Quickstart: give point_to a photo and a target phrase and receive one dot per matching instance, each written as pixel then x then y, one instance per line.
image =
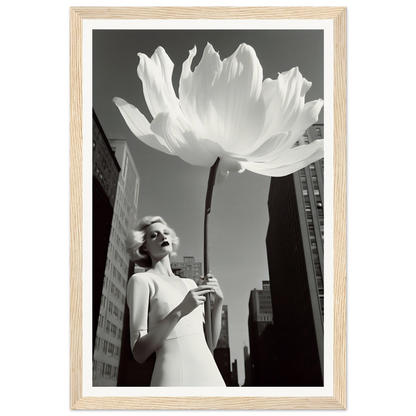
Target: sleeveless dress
pixel 184 359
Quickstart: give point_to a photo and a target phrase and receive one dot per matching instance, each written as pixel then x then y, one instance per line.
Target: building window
pixel 107 371
pixel 110 350
pixel 318 133
pixel 113 330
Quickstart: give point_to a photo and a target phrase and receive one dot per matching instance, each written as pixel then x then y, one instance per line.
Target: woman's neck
pixel 162 267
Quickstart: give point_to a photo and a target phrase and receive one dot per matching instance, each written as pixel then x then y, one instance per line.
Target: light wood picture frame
pixel 336 15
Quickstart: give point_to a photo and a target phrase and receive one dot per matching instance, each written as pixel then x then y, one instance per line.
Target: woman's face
pixel 158 241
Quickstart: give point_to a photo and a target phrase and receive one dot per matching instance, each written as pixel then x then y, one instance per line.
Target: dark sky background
pixel 176 190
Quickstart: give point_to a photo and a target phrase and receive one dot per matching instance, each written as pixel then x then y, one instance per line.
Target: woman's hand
pixel 193 299
pixel 216 311
pixel 212 282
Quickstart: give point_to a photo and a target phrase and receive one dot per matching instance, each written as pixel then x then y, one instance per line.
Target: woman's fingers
pixel 210 281
pixel 207 277
pixel 202 288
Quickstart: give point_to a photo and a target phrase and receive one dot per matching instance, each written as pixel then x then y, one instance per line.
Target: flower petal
pixel 193 87
pixel 156 75
pixel 289 162
pixel 183 142
pixel 139 125
pixel 309 116
pixel 281 142
pixel 229 164
pixel 223 99
pixel 284 100
pixel 236 96
pixel 266 152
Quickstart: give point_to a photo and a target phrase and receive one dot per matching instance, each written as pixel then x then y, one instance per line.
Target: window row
pixel 264 318
pixel 113 254
pixel 104 370
pixel 116 238
pixel 115 311
pixel 107 347
pixel 109 327
pixel 114 290
pixel 105 301
pixel 115 274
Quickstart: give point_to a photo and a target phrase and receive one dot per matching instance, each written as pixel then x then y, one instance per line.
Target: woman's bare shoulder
pixel 142 282
pixel 140 275
pixel 139 278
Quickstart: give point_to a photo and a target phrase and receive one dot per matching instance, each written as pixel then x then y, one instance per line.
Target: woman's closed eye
pixel 156 234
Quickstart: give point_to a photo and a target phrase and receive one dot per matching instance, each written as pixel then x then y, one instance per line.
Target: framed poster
pixel 277 349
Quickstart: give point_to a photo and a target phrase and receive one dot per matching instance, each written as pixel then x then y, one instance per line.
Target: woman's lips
pixel 165 243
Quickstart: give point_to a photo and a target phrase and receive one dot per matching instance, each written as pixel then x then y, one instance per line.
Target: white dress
pixel 184 359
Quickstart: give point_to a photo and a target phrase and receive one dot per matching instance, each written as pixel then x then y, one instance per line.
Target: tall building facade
pixel 234 374
pixel 260 322
pixel 295 252
pixel 105 178
pixel 222 350
pixel 260 308
pixel 247 368
pixel 108 340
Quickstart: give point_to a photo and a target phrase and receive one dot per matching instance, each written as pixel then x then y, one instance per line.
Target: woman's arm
pixel 216 321
pixel 216 314
pixel 145 342
pixel 150 342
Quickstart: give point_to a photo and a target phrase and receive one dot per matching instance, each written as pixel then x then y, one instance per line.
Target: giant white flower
pixel 225 110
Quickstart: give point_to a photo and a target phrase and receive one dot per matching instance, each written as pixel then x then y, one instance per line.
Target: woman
pixel 166 312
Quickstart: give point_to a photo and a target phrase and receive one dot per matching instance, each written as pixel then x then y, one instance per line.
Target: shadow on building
pixel 295 258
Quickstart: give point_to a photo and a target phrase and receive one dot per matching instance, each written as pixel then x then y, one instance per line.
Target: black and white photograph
pixel 208 208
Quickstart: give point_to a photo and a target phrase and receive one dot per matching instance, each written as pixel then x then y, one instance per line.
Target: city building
pixel 247 367
pixel 260 308
pixel 234 374
pixel 295 252
pixel 109 332
pixel 260 321
pixel 188 268
pixel 222 350
pixel 105 178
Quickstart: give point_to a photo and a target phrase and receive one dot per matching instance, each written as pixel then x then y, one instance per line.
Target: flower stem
pixel 208 199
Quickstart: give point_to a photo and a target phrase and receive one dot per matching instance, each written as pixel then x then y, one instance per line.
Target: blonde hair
pixel 137 236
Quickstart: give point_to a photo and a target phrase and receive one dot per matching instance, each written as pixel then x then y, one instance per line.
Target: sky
pixel 175 190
